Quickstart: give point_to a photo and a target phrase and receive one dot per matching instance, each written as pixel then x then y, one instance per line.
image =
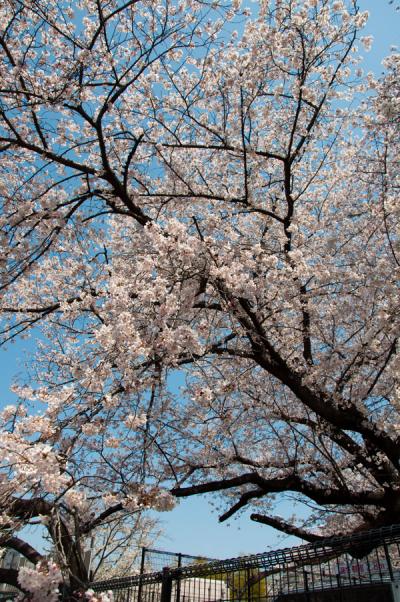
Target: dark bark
pixel 10 576
pixel 22 547
pixel 64 542
pixel 282 525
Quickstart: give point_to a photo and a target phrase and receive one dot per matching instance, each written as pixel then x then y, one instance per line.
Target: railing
pixel 365 566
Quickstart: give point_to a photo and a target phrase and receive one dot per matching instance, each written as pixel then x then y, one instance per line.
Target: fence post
pixel 306 586
pixel 140 587
pixel 144 550
pixel 178 580
pixel 166 585
pixel 248 584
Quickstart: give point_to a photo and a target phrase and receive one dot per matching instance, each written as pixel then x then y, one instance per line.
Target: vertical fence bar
pixel 248 584
pixel 306 586
pixel 142 560
pixel 166 585
pixel 178 580
pixel 140 586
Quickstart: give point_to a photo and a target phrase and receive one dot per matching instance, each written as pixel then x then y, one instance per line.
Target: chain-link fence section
pixel 156 560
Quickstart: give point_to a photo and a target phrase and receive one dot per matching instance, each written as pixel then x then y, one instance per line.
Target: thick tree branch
pixel 22 547
pixel 293 482
pixel 281 525
pixel 10 576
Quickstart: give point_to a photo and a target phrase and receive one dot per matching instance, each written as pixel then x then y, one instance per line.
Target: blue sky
pixel 193 527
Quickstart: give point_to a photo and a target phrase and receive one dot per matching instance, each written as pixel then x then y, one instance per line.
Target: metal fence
pixel 361 568
pixel 153 560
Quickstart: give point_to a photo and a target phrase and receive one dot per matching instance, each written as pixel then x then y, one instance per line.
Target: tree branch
pixel 22 547
pixel 10 576
pixel 281 525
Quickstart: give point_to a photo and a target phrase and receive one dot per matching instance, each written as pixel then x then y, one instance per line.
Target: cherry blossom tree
pixel 204 193
pixel 116 546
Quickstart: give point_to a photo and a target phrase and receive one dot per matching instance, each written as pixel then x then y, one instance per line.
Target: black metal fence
pixel 153 560
pixel 361 568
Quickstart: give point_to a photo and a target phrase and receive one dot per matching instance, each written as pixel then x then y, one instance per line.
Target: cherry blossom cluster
pixel 42 581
